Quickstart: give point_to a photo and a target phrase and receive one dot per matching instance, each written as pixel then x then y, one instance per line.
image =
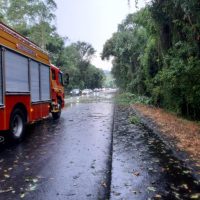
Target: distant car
pixel 75 92
pixel 86 91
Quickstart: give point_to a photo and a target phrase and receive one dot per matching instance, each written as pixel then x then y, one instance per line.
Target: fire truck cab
pixel 30 86
pixel 57 91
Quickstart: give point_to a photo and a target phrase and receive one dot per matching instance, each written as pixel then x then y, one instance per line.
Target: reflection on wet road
pixel 65 159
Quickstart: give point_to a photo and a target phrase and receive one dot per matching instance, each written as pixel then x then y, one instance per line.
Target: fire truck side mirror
pixel 66 82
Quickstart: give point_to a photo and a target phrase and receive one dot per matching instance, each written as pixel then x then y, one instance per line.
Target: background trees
pixel 76 61
pixel 156 53
pixel 35 19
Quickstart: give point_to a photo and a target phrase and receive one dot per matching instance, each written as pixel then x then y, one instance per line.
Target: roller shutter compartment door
pixel 45 82
pixel 35 81
pixel 1 81
pixel 16 67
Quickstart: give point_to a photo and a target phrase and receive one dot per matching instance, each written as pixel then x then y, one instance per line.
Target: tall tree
pixel 85 50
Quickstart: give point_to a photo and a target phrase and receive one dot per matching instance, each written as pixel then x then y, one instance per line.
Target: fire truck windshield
pixel 61 78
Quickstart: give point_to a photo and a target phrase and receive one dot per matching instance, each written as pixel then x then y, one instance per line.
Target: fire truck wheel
pixel 17 124
pixel 57 114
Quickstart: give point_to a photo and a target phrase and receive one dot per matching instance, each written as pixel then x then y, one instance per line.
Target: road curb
pixel 111 155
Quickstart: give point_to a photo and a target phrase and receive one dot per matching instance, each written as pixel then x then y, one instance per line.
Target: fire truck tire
pixel 17 124
pixel 56 115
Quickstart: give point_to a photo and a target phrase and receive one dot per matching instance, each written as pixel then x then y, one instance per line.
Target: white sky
pixel 92 21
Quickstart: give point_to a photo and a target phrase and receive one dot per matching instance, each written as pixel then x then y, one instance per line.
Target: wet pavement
pixel 64 159
pixel 143 168
pixel 84 156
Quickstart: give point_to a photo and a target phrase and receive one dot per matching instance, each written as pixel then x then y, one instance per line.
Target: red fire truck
pixel 30 86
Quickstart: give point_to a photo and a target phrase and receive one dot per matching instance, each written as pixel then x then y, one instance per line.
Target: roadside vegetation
pixel 134 120
pixel 183 134
pixel 156 61
pixel 127 98
pixel 35 20
pixel 156 54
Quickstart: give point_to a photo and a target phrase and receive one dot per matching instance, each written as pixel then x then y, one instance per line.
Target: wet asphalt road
pixel 65 159
pixel 78 157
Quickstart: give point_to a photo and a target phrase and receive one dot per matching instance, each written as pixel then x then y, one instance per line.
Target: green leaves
pixel 75 60
pixel 129 98
pixel 157 54
pixel 128 48
pixel 86 51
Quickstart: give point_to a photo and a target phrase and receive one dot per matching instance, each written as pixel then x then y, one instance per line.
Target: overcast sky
pixel 92 21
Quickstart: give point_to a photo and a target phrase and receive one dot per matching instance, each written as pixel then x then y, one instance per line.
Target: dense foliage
pixel 76 61
pixel 157 54
pixel 35 19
